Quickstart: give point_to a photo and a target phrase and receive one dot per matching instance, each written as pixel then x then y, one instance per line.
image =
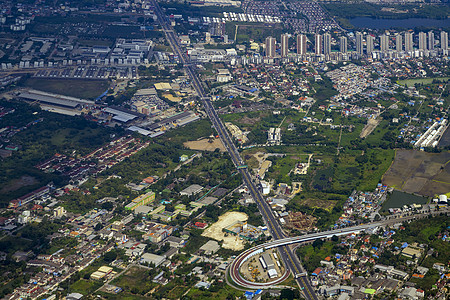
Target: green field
pixel 281 167
pixel 87 89
pixel 412 82
pixel 398 199
pixel 85 286
pixel 255 31
pixel 221 292
pixel 136 281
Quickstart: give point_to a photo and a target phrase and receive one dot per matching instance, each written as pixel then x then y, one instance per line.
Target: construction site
pixel 263 267
pixel 300 221
pixel 236 132
pixel 244 230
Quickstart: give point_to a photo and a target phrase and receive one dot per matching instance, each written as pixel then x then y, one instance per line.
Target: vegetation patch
pixel 364 9
pixel 311 255
pixel 413 82
pixel 85 89
pixel 136 280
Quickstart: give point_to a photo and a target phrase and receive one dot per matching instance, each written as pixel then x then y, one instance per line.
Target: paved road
pixel 234 267
pixel 290 260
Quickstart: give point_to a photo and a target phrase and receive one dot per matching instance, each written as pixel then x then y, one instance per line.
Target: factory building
pixel 53 99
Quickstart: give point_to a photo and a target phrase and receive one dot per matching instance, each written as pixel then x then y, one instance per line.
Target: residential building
pixel 301 44
pixel 422 41
pixel 398 43
pixel 444 40
pixel 343 44
pixel 270 46
pixel 59 212
pixel 359 43
pixel 384 43
pixel 284 45
pixel 431 40
pixel 318 44
pixel 408 41
pixel 369 44
pixel 327 43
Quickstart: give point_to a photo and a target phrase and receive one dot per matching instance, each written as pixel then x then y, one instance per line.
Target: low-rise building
pixel 193 189
pixel 149 258
pixel 210 247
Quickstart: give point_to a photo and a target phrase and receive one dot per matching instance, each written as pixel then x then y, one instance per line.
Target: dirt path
pixel 370 126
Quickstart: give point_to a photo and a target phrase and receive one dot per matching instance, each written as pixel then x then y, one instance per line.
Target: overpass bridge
pixel 236 277
pixel 235 266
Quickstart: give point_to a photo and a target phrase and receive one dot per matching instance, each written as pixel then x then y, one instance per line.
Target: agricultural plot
pixel 419 172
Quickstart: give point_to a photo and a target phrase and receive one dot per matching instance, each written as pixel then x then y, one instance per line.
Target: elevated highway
pixel 290 260
pixel 234 268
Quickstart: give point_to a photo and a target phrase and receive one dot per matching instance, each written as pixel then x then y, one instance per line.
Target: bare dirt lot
pixel 370 126
pixel 249 121
pixel 16 184
pixel 314 202
pixel 205 145
pixel 419 172
pixel 215 231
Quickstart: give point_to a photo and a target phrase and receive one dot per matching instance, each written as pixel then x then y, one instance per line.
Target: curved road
pixel 290 260
pixel 233 269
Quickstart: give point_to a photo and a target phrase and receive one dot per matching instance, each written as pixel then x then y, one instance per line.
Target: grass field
pixel 85 286
pixel 412 82
pixel 317 200
pixel 256 31
pixel 87 89
pixel 13 244
pixel 379 162
pixel 398 199
pixel 281 168
pixel 191 132
pixel 137 280
pixel 225 292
